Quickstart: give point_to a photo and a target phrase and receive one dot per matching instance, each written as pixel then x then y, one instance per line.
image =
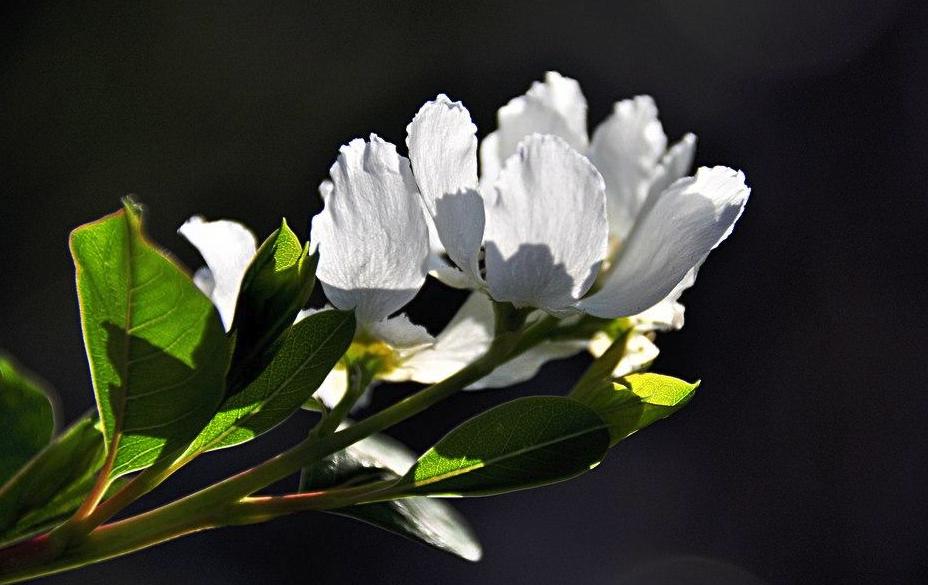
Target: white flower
pixel 539 210
pixel 542 221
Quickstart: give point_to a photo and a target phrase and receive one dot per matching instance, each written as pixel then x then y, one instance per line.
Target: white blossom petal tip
pixel 442 142
pixel 626 148
pixel 371 232
pixel 227 247
pixel 673 234
pixel 553 106
pixel 546 231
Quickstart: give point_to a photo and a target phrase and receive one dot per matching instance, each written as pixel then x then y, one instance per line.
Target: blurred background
pixel 803 457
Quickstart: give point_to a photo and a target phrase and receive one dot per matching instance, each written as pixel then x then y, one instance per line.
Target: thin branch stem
pixel 218 504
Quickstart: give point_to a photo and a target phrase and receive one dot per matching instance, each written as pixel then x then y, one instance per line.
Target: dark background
pixel 802 460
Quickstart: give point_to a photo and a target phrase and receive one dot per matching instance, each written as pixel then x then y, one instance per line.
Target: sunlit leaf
pixel 27 420
pixel 429 521
pixel 157 350
pixel 309 351
pixel 520 444
pixel 635 401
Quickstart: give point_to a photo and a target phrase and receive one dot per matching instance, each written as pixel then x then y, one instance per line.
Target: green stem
pixel 209 507
pixel 260 509
pixel 157 526
pixel 360 376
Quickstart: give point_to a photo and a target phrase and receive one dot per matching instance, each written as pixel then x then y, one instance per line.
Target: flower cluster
pixel 606 231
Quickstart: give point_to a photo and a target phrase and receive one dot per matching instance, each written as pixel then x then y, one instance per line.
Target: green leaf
pixel 27 417
pixel 158 353
pixel 524 443
pixel 52 485
pixel 308 352
pixel 275 287
pixel 425 520
pixel 635 401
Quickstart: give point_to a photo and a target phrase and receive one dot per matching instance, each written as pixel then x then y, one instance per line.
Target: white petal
pixel 466 337
pixel 675 164
pixel 555 106
pixel 626 149
pixel 325 189
pixel 227 247
pixel 546 230
pixel 372 236
pixel 460 220
pixel 442 143
pixel 379 451
pixel 525 367
pixel 400 333
pixel 668 314
pixel 333 387
pixel 640 351
pixel 449 274
pixel 490 161
pixel 203 278
pixel 673 233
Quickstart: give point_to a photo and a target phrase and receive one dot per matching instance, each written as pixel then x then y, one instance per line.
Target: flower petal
pixel 460 220
pixel 442 143
pixel 372 236
pixel 555 106
pixel 526 366
pixel 227 247
pixel 546 229
pixel 490 161
pixel 325 189
pixel 400 333
pixel 333 387
pixel 668 314
pixel 626 149
pixel 466 337
pixel 674 233
pixel 203 278
pixel 675 164
pixel 640 351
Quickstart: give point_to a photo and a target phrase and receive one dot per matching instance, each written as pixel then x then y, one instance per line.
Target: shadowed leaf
pixel 52 485
pixel 308 352
pixel 157 350
pixel 27 420
pixel 524 443
pixel 274 289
